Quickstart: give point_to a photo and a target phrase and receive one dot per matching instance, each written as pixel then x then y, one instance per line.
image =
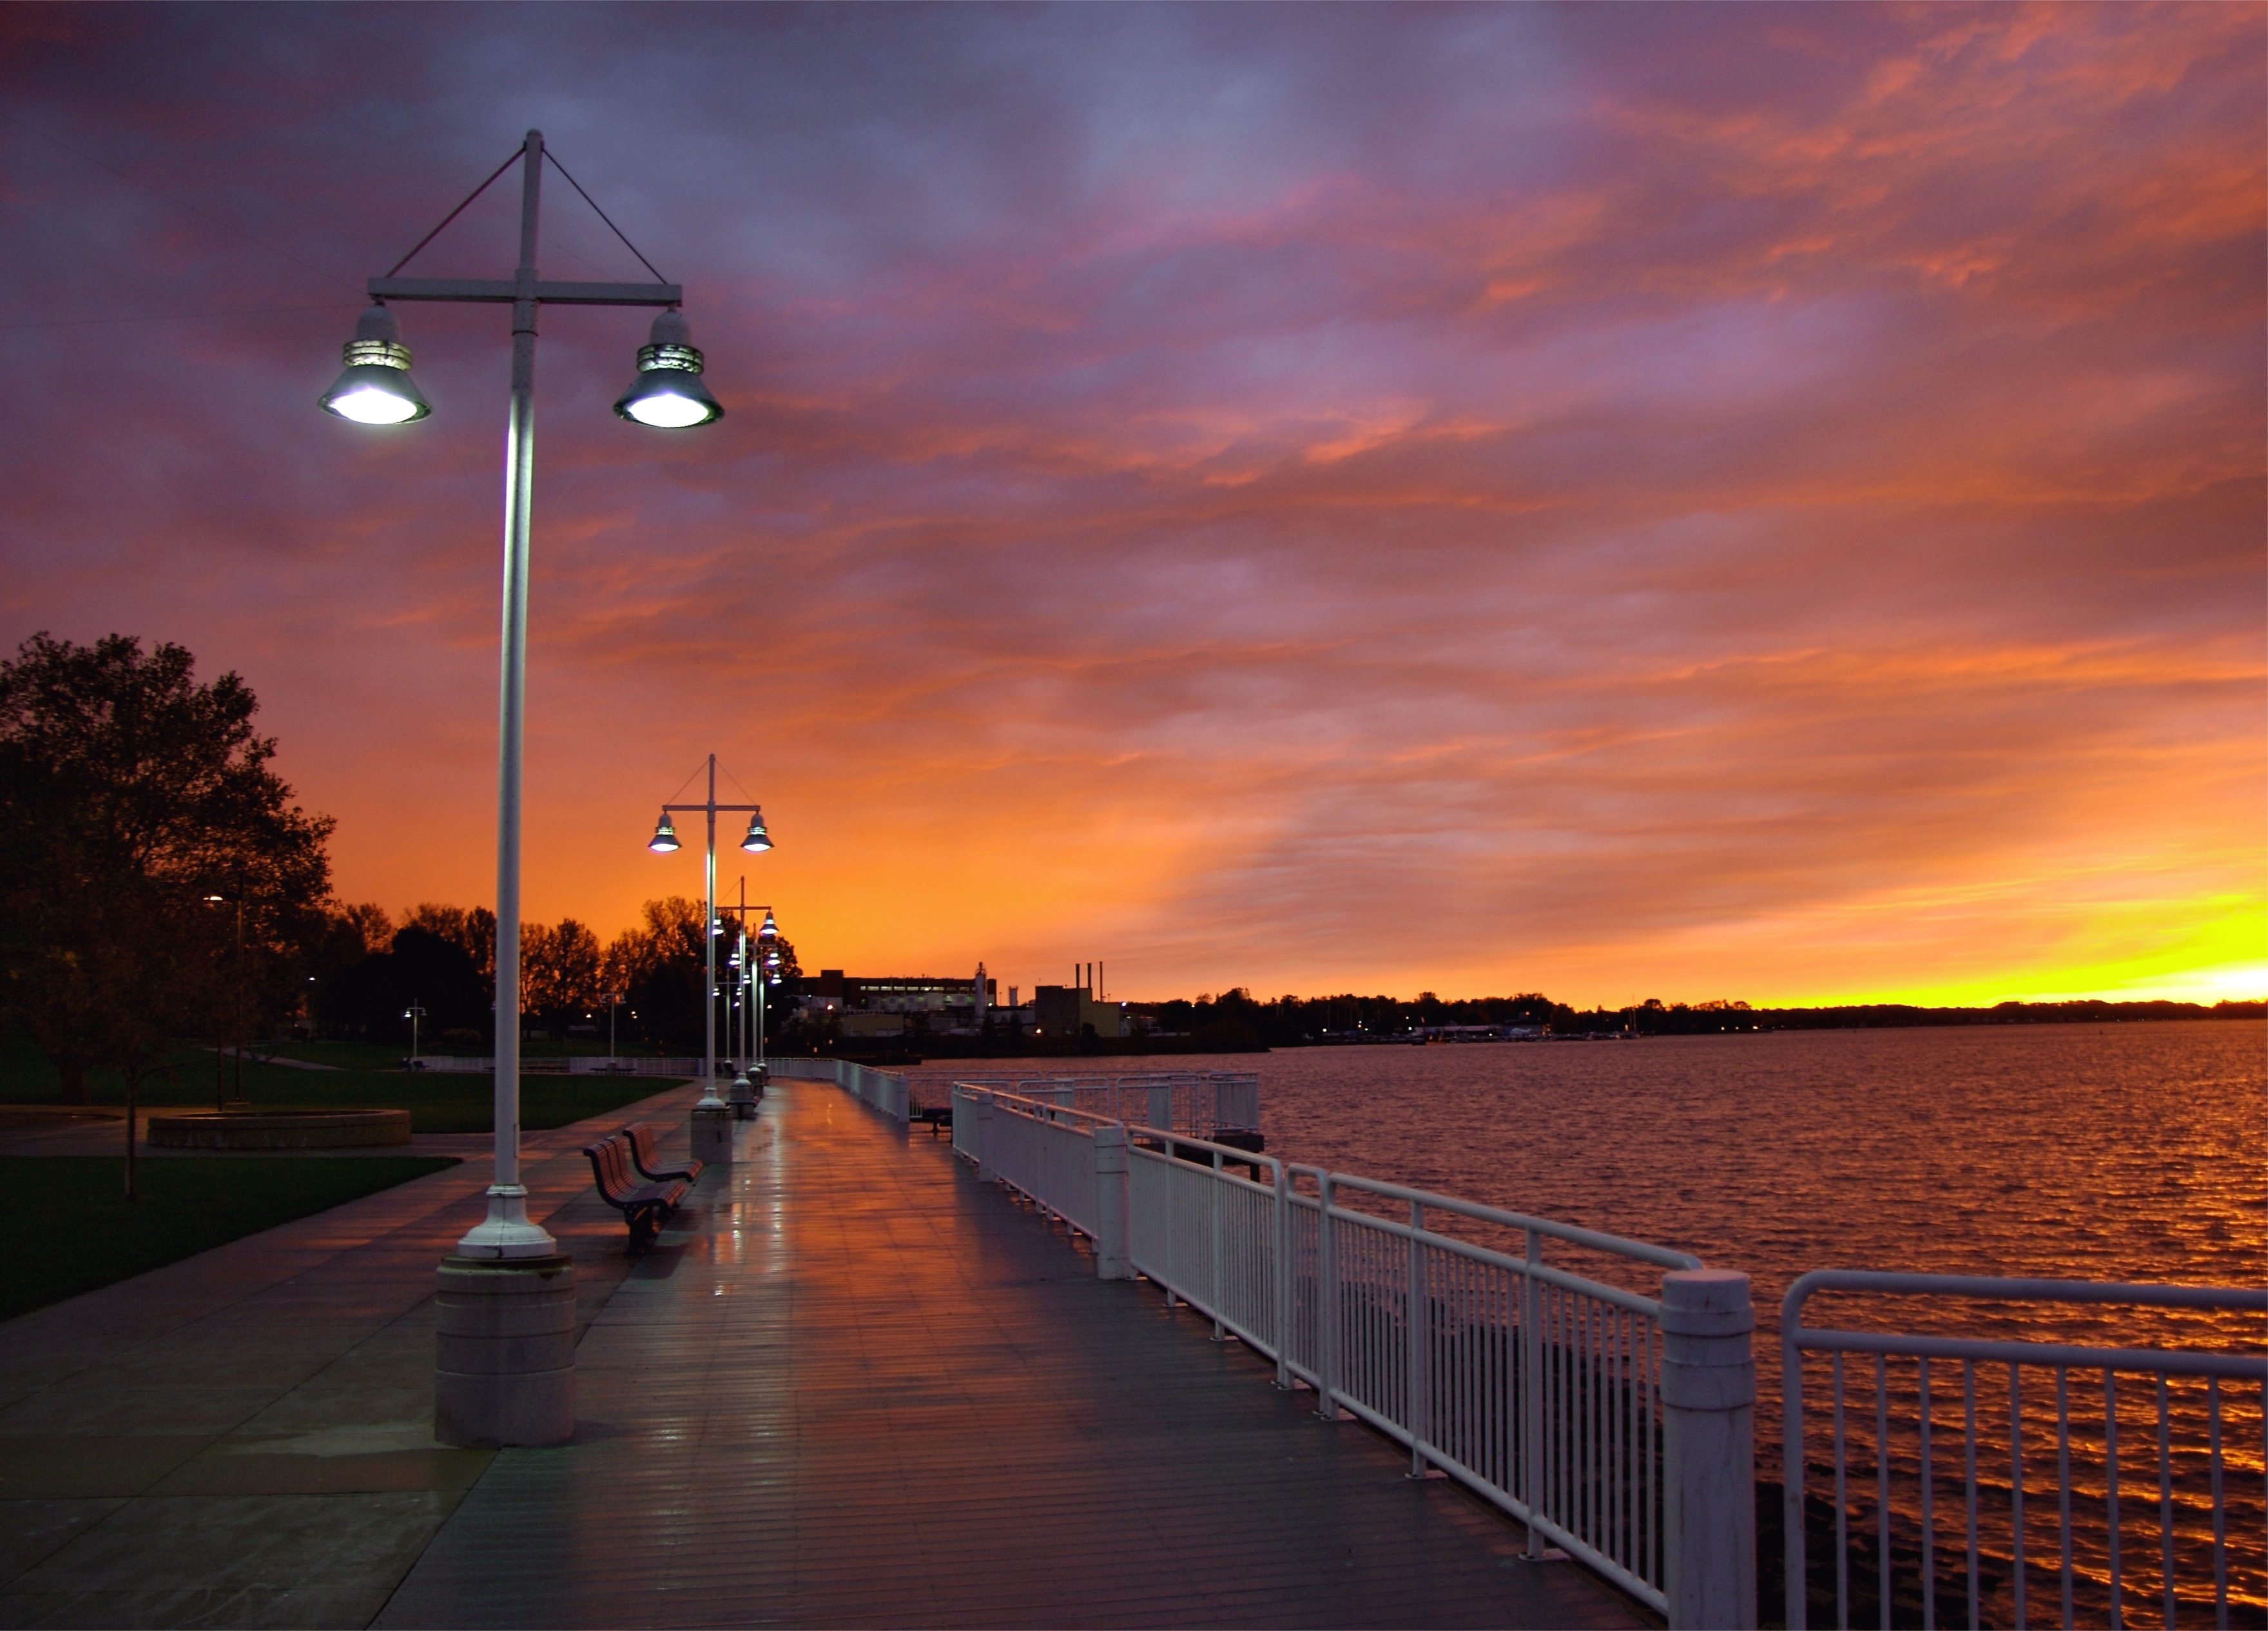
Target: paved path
pixel 860 1388
pixel 853 1387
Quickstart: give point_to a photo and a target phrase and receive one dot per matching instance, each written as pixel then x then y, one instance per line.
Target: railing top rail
pixel 1041 1109
pixel 1185 1140
pixel 1615 1244
pixel 2169 1360
pixel 1978 1286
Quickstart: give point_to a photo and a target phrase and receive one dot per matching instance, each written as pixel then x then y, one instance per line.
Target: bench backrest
pixel 641 1137
pixel 610 1164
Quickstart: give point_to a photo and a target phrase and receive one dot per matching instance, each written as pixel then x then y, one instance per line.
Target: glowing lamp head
pixel 758 840
pixel 770 931
pixel 375 387
pixel 668 393
pixel 665 836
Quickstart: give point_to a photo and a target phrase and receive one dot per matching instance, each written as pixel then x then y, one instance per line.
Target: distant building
pixel 1066 1011
pixel 892 1004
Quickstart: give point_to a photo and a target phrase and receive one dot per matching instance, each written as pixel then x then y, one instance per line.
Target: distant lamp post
pixel 613 1000
pixel 522 1391
pixel 754 964
pixel 221 1100
pixel 713 1135
pixel 414 1012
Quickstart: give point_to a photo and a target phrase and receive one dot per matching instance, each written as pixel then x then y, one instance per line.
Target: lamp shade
pixel 668 392
pixel 759 839
pixel 665 836
pixel 375 387
pixel 770 931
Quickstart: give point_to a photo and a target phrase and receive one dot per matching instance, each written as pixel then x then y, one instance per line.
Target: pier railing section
pixel 883 1091
pixel 1999 1482
pixel 1617 1426
pixel 1200 1103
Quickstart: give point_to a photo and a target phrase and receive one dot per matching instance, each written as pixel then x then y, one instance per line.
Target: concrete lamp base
pixel 504 1362
pixel 712 1135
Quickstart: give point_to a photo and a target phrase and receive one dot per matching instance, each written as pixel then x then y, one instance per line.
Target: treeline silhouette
pixel 1234 1020
pixel 442 959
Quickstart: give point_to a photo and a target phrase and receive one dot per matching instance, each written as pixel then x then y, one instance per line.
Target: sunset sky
pixel 1686 502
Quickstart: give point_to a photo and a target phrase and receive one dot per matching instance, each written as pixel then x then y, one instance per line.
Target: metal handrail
pixel 1661 1257
pixel 2062 1358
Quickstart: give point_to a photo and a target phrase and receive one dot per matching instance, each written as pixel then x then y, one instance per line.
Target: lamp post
pixel 614 1006
pixel 505 1370
pixel 712 1138
pixel 756 970
pixel 414 1012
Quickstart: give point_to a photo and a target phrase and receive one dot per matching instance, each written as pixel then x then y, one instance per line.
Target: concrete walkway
pixel 853 1387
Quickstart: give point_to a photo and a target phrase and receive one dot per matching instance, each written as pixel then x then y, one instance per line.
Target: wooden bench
pixel 648 1160
pixel 644 1207
pixel 936 1115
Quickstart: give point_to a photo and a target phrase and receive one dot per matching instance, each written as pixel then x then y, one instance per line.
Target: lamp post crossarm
pixel 506 292
pixel 718 809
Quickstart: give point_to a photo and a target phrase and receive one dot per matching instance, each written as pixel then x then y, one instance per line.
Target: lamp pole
pixel 755 969
pixel 708 1133
pixel 490 1391
pixel 414 1012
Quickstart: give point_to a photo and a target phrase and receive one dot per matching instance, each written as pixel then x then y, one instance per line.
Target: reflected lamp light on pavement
pixel 668 393
pixel 759 838
pixel 375 387
pixel 665 836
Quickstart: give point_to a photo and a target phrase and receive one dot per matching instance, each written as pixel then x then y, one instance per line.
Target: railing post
pixel 1708 1449
pixel 1531 1393
pixel 1414 1320
pixel 1212 1217
pixel 1327 1305
pixel 1161 1110
pixel 984 1138
pixel 1110 1202
pixel 1282 1286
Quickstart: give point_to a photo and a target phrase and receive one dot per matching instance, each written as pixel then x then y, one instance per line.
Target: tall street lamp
pixel 713 1134
pixel 501 1380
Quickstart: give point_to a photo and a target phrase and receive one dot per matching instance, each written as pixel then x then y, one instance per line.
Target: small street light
pixel 413 1014
pixel 749 1083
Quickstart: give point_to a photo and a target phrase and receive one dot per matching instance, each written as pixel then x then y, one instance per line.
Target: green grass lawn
pixel 437 1102
pixel 70 1228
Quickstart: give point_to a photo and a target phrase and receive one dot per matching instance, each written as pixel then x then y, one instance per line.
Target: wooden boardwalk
pixel 856 1387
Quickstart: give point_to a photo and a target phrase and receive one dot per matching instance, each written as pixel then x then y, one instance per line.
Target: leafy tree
pixel 560 971
pixel 130 796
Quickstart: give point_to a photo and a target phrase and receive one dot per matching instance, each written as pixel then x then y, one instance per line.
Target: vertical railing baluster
pixel 2062 1482
pixel 2017 1484
pixel 2110 1496
pixel 1928 1509
pixel 1413 1355
pixel 1882 1484
pixel 1282 1288
pixel 1531 1395
pixel 2219 1511
pixel 1842 1516
pixel 2166 1499
pixel 1327 1300
pixel 1794 1566
pixel 1969 1433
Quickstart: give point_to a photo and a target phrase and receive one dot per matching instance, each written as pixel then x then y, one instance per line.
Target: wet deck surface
pixel 853 1387
pixel 858 1387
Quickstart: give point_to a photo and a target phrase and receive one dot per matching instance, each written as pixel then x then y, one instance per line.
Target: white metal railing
pixel 882 1091
pixel 1198 1103
pixel 572 1064
pixel 1615 1425
pixel 2171 1427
